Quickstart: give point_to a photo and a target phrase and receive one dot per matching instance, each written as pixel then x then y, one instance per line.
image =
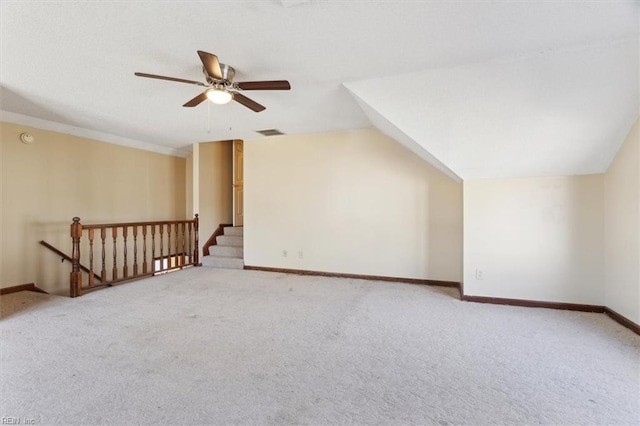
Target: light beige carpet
pixel 206 346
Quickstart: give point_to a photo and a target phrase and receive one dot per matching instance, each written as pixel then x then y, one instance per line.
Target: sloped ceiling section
pixel 389 129
pixel 548 113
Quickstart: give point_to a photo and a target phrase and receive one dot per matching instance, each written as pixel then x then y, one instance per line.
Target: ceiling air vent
pixel 270 132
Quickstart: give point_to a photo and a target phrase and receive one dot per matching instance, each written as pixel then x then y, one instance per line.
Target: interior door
pixel 238 183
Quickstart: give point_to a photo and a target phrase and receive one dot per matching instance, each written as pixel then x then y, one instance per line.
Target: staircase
pixel 228 252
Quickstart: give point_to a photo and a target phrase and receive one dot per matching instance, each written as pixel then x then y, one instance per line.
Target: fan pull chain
pixel 208 117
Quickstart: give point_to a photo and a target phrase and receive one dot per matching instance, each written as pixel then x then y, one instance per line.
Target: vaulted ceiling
pixel 479 89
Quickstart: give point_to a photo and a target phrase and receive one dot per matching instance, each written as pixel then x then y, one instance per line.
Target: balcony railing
pixel 119 252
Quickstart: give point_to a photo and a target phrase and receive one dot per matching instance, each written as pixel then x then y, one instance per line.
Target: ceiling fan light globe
pixel 219 96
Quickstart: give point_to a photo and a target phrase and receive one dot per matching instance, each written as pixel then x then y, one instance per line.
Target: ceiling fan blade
pixel 162 77
pixel 247 102
pixel 197 100
pixel 211 64
pixel 265 85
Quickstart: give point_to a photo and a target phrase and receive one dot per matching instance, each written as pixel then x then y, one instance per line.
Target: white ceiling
pixel 479 89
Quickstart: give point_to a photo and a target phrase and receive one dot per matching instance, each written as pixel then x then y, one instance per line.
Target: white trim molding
pixel 38 123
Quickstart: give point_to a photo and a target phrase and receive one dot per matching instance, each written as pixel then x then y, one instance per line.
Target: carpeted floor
pixel 206 346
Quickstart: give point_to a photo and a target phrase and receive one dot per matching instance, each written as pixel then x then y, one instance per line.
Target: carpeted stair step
pixel 223 262
pixel 229 240
pixel 226 251
pixel 234 230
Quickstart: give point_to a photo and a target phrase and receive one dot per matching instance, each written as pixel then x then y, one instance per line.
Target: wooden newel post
pixel 75 281
pixel 196 248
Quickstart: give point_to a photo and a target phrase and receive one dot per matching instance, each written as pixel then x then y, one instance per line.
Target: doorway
pixel 238 182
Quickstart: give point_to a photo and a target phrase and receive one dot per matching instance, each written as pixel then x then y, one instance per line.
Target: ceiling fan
pixel 221 88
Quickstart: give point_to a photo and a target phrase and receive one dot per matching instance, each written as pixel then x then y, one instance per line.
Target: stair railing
pixel 156 247
pixel 64 256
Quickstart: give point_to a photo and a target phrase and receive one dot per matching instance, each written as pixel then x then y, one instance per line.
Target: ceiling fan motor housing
pixel 228 73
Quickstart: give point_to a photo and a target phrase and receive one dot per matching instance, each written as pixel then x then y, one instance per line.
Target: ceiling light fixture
pixel 219 96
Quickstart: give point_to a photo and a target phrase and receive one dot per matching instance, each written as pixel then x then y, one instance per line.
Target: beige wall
pixel 352 202
pixel 622 229
pixel 537 239
pixel 47 183
pixel 1 202
pixel 215 191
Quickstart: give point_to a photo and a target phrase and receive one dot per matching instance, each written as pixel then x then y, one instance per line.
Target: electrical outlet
pixel 479 274
pixel 300 255
pixel 284 253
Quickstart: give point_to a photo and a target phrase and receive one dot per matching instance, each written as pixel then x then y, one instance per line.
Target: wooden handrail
pixel 65 256
pixel 130 224
pixel 212 239
pixel 176 242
